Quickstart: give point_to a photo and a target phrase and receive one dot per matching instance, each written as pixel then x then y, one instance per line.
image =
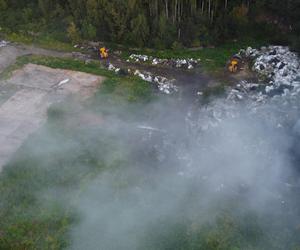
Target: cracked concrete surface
pixel 29 93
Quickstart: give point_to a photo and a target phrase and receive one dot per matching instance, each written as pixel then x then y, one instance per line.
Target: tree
pixel 73 33
pixel 140 30
pixel 3 5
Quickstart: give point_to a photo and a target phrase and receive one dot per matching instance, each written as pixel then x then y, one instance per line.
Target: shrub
pixel 73 33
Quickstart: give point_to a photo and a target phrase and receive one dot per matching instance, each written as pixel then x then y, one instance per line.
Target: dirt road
pixel 26 96
pixel 11 52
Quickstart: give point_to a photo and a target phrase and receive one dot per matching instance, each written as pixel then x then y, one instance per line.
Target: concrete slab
pixel 26 110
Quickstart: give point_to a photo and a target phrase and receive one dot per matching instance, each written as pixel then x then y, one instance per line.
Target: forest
pixel 155 23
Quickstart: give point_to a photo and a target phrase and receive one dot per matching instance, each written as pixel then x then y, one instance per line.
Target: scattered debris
pixel 3 43
pixel 111 67
pixel 176 63
pixel 150 128
pixel 63 82
pixel 164 85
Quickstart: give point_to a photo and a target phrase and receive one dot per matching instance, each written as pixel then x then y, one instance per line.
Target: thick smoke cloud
pixel 174 168
pixel 189 166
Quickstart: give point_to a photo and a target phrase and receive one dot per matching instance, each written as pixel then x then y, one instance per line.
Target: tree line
pixel 154 23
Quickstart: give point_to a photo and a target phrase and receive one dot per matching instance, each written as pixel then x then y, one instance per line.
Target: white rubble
pixel 63 82
pixel 111 67
pixel 3 43
pixel 164 85
pixel 276 64
pixel 138 58
pixel 189 63
pixel 278 91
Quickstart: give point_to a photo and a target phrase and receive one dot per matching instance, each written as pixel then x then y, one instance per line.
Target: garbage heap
pixel 275 97
pixel 188 63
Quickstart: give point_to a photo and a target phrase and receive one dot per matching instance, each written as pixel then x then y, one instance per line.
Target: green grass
pixel 93 67
pixel 43 41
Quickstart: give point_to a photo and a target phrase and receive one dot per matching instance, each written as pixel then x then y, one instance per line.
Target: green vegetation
pixel 41 40
pixel 92 67
pixel 160 24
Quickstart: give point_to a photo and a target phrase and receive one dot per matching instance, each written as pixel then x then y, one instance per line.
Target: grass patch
pixel 43 41
pixel 65 63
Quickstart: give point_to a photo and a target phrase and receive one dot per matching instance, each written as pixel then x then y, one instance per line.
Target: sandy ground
pixel 29 93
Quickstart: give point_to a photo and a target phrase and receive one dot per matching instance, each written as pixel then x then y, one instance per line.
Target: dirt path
pixel 36 88
pixel 11 52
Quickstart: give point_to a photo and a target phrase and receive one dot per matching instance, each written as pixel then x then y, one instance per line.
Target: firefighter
pixel 235 63
pixel 103 53
pixel 233 66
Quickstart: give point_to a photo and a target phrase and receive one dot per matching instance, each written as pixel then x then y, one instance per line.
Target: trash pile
pixel 278 90
pixel 164 85
pixel 111 67
pixel 275 63
pixel 278 69
pixel 189 63
pixel 3 43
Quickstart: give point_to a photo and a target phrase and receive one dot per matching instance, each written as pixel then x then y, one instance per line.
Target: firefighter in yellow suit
pixel 103 53
pixel 233 66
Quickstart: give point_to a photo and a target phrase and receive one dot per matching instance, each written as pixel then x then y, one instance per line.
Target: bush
pixel 3 5
pixel 88 31
pixel 177 45
pixel 73 33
